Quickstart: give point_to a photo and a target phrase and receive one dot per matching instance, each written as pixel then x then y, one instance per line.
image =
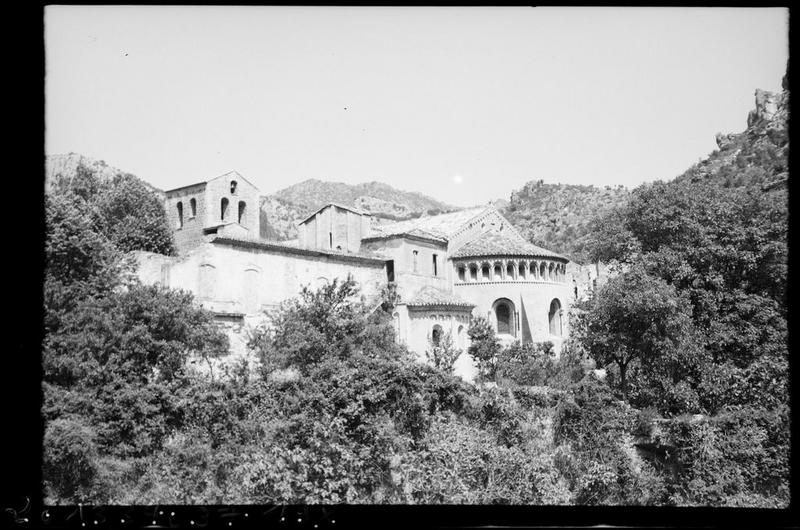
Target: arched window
pixel 554 317
pixel 523 268
pixel 473 273
pixel 503 318
pixel 510 271
pixel 242 208
pixel 180 214
pixel 485 273
pixel 414 260
pixel 542 271
pixel 233 187
pixel 193 206
pixel 436 335
pixel 223 208
pixel 550 270
pixel 534 270
pixel 460 339
pixel 462 273
pixel 498 272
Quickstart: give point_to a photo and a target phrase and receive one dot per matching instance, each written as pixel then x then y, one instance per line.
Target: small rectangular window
pixel 390 270
pixel 414 256
pixel 435 265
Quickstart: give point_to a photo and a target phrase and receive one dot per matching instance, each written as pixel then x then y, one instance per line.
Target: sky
pixel 462 104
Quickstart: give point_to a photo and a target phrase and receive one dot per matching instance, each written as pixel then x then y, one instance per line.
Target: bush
pixel 643 425
pixel 527 364
pixel 742 455
pixel 484 348
pixel 69 460
pixel 443 355
pixel 501 415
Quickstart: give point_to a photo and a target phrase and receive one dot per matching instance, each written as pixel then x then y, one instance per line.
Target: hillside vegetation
pixel 697 323
pixel 560 217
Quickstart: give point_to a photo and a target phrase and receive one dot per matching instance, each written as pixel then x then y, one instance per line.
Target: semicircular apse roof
pixel 496 244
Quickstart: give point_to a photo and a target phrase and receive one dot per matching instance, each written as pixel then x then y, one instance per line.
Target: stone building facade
pixel 447 268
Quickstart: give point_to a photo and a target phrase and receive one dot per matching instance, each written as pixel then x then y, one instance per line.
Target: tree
pixel 484 347
pixel 329 323
pixel 132 216
pixel 633 317
pixel 442 355
pixel 123 209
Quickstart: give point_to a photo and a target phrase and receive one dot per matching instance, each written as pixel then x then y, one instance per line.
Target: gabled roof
pixel 342 206
pixel 414 233
pixel 497 244
pixel 229 174
pixel 431 296
pixel 288 248
pixel 443 225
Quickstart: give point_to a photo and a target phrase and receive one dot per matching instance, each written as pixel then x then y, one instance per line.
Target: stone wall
pixel 229 278
pixel 333 227
pixel 189 233
pixel 530 303
pixel 401 250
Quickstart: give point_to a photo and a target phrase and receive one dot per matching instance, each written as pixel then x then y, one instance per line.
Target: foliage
pixel 133 217
pixel 69 463
pixel 589 425
pixel 484 347
pixel 122 208
pixel 443 355
pixel 639 318
pixel 79 260
pixel 323 324
pixel 527 364
pixel 562 217
pixel 735 458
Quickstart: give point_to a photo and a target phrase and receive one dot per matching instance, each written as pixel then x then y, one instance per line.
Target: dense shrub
pixel 442 355
pixel 484 348
pixel 591 427
pixel 739 457
pixel 69 460
pixel 527 364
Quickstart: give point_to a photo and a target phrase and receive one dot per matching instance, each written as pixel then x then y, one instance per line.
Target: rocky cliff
pixel 758 156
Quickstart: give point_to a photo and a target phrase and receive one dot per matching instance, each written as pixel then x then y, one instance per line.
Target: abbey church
pixel 447 268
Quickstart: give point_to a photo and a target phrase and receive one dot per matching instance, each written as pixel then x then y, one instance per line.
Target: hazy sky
pixel 463 104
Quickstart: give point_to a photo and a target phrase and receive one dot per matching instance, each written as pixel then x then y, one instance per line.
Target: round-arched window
pixel 554 317
pixel 503 318
pixel 436 335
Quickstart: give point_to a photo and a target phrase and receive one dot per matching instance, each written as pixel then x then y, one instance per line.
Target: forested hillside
pixel 697 323
pixel 560 217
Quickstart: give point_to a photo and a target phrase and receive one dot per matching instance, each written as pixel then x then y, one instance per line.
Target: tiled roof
pixel 336 204
pixel 234 174
pixel 294 248
pixel 442 225
pixel 497 244
pixel 414 232
pixel 431 296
